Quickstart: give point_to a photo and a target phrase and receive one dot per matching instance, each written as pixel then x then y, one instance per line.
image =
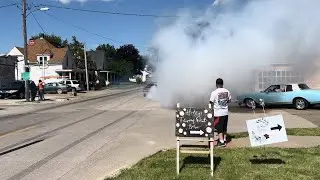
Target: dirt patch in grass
pixel 230 164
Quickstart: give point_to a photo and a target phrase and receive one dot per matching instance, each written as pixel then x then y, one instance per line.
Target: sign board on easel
pixel 193 122
pixel 266 130
pixel 192 125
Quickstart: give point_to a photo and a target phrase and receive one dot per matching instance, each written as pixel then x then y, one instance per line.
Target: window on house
pixel 43 59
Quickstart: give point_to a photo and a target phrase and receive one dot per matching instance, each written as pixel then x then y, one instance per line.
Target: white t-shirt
pixel 220 98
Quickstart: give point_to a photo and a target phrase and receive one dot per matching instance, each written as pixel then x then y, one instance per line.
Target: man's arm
pixel 212 98
pixel 229 98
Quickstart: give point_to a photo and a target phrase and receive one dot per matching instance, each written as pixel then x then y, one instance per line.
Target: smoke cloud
pixel 229 41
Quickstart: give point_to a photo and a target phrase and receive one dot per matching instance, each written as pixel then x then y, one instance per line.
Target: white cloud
pixel 81 1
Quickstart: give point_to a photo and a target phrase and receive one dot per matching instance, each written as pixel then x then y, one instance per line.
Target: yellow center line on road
pixel 16 131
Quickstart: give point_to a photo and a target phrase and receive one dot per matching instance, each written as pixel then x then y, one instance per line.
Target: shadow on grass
pixel 266 161
pixel 192 160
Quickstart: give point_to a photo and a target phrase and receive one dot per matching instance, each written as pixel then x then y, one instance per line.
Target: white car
pixel 73 83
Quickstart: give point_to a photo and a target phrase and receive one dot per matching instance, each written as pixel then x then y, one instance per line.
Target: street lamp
pixel 24 22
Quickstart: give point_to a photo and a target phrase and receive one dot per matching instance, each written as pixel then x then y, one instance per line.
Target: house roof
pixel 42 46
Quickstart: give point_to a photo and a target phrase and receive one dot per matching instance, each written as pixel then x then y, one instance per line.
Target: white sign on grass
pixel 267 130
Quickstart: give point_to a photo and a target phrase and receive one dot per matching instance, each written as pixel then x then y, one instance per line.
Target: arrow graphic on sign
pixel 197 132
pixel 276 128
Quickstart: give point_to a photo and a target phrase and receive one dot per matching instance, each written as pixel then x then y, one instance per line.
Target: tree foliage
pixel 130 54
pixel 53 39
pixel 109 51
pixel 120 67
pixel 77 48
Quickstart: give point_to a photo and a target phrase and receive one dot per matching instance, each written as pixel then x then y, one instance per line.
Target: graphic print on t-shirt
pixel 223 98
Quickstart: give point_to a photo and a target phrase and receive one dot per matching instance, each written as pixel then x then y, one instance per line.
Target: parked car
pixel 73 83
pixel 58 88
pixel 298 95
pixel 147 88
pixel 14 89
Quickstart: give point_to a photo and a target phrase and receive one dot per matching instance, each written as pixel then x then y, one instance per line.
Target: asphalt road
pixel 77 141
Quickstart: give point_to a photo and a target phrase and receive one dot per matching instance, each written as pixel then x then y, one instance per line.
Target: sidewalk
pixel 22 107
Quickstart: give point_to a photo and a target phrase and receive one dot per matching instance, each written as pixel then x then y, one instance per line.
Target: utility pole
pixel 86 66
pixel 25 38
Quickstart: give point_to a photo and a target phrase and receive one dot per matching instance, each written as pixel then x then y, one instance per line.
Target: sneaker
pixel 220 144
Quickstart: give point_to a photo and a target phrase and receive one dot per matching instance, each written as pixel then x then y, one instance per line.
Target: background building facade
pixel 276 74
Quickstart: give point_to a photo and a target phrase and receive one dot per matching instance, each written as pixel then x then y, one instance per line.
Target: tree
pixel 77 48
pixel 55 40
pixel 130 54
pixel 120 67
pixel 109 50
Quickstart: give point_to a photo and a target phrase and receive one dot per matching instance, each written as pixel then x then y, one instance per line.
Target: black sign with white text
pixel 194 122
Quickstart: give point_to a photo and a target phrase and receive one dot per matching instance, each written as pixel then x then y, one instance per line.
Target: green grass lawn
pixel 290 131
pixel 231 164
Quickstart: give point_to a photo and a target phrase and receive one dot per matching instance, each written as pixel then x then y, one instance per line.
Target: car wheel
pixel 249 103
pixel 59 91
pixel 300 104
pixel 21 95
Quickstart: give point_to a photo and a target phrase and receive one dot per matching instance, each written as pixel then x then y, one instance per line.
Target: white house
pixel 45 60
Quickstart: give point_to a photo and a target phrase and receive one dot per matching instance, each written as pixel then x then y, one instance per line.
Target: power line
pixel 109 12
pixel 8 5
pixel 78 27
pixel 34 17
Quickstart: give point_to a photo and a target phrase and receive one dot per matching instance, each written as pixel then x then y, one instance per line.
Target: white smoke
pixel 229 41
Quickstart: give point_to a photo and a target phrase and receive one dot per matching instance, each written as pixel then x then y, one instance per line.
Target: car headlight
pixel 12 91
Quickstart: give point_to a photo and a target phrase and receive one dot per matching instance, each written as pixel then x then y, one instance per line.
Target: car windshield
pixel 303 86
pixel 76 82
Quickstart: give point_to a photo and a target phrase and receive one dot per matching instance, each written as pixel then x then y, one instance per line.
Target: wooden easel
pixel 194 149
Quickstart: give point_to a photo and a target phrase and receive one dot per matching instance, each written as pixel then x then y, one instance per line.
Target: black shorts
pixel 221 123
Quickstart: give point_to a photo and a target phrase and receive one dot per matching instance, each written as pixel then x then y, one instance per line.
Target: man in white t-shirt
pixel 220 98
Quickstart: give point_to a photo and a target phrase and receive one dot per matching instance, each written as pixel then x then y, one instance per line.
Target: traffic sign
pixel 193 122
pixel 267 130
pixel 25 75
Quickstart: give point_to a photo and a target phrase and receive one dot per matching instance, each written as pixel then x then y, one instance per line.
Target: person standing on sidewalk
pixel 41 90
pixel 33 89
pixel 220 98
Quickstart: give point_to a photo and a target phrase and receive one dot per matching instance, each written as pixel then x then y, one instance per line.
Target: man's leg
pixel 225 128
pixel 41 95
pixel 42 92
pixel 218 123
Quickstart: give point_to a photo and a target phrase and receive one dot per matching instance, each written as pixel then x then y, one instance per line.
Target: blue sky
pixel 126 29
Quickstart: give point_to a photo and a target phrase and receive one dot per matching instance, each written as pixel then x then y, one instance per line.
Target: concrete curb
pixel 66 103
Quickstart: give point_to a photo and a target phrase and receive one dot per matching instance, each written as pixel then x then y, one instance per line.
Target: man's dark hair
pixel 219 82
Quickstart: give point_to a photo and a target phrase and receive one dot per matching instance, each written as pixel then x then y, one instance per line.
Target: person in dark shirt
pixel 33 89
